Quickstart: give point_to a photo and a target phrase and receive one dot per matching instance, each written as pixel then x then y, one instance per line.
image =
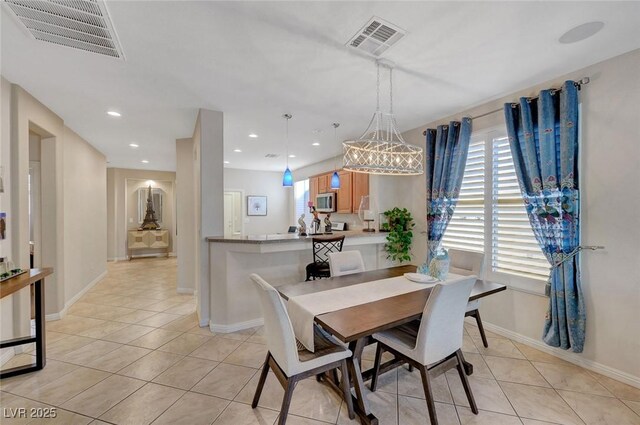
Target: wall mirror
pixel 157 196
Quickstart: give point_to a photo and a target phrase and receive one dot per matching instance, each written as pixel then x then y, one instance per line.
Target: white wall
pixel 208 184
pixel 262 183
pixel 65 188
pixel 120 196
pixel 185 215
pixel 85 218
pixel 610 203
pixel 6 304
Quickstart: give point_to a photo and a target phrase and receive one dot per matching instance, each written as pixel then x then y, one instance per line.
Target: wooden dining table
pixel 355 325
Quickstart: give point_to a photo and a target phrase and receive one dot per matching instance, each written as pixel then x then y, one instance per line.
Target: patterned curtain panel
pixel 543 136
pixel 446 156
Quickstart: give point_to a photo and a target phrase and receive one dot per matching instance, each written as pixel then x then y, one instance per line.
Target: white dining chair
pixel 290 363
pixel 346 262
pixel 435 346
pixel 468 263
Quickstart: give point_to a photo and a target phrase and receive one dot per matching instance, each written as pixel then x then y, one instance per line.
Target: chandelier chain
pixel 391 90
pixel 378 87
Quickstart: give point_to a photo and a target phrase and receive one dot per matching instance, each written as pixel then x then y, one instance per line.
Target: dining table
pixel 356 324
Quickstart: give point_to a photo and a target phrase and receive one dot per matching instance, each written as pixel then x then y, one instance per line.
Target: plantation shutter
pixel 466 228
pixel 514 248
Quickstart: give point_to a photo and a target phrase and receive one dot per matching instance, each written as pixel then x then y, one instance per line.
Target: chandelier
pixel 381 148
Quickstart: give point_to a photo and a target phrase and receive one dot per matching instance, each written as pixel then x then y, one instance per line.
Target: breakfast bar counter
pixel 280 258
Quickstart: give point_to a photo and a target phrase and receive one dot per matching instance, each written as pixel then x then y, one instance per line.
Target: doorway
pixel 233 222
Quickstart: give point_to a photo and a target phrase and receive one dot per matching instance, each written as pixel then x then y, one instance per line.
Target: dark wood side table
pixel 33 277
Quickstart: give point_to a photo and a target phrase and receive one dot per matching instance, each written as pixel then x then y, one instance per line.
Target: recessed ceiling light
pixel 114 113
pixel 292 156
pixel 581 32
pixel 144 161
pixel 253 135
pixel 133 145
pixel 237 150
pixel 225 162
pixel 315 144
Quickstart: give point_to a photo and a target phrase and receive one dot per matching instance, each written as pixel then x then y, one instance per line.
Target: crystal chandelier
pixel 381 148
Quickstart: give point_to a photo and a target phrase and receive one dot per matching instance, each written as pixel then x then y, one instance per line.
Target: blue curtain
pixel 543 137
pixel 446 157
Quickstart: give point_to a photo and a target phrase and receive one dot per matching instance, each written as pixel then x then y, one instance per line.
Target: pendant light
pixel 335 178
pixel 381 148
pixel 287 178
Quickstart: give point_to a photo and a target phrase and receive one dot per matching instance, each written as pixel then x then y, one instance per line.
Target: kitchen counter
pixel 233 300
pixel 292 237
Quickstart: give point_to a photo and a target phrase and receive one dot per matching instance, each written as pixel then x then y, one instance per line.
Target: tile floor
pixel 130 352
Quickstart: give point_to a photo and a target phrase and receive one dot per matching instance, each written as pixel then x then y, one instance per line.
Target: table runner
pixel 304 308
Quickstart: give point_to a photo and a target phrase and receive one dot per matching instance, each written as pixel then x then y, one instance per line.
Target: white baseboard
pixel 7 355
pixel 185 291
pixel 225 329
pixel 59 315
pixel 116 259
pixel 568 356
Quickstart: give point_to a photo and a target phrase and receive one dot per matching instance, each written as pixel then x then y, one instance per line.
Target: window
pixel 301 198
pixel 466 228
pixel 490 215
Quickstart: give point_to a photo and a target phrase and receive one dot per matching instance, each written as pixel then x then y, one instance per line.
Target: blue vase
pixel 439 266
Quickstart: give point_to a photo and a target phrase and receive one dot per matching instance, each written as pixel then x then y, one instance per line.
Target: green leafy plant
pixel 400 225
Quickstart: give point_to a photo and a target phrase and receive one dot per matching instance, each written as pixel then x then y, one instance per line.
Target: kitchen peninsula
pixel 278 258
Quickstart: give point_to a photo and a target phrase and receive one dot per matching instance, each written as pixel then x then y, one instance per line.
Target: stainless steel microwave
pixel 326 202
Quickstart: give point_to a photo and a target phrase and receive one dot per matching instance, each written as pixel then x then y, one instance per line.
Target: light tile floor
pixel 131 352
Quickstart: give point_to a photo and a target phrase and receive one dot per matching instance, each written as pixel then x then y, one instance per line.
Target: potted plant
pixel 400 224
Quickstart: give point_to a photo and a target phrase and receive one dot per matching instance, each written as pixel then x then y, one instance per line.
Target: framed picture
pixel 256 205
pixel 3 225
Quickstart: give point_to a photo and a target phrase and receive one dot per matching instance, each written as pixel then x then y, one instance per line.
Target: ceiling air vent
pixel 271 155
pixel 80 24
pixel 376 36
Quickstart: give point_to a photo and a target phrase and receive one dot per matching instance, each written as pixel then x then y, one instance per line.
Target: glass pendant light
pixel 287 178
pixel 335 178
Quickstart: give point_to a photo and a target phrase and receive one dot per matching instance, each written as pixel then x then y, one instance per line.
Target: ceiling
pixel 257 60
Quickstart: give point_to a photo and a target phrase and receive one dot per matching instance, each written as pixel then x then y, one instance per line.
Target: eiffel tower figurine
pixel 150 222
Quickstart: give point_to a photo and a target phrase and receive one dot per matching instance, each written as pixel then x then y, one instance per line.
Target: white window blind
pixel 466 228
pixel 301 196
pixel 490 215
pixel 514 248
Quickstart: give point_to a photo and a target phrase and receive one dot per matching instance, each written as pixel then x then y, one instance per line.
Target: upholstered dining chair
pixel 322 247
pixel 436 345
pixel 347 262
pixel 468 263
pixel 290 363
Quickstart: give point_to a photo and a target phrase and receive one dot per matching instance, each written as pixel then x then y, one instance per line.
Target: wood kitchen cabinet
pixel 324 183
pixel 313 189
pixel 353 186
pixel 344 197
pixel 360 188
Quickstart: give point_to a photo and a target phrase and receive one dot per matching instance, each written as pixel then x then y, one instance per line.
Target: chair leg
pixel 465 383
pixel 346 388
pixel 481 328
pixel 428 395
pixel 263 378
pixel 286 400
pixel 376 368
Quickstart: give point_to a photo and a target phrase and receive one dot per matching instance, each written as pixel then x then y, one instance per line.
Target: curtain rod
pixel 578 84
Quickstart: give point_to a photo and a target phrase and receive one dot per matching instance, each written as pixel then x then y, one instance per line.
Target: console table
pixel 148 239
pixel 10 286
